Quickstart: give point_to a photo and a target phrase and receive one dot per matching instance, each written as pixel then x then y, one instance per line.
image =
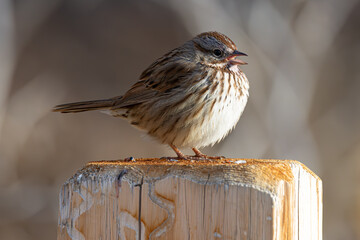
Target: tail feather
pixel 84 106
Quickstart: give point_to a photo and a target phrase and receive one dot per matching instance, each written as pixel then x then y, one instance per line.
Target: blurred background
pixel 304 73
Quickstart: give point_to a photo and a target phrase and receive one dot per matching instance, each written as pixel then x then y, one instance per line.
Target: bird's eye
pixel 217 52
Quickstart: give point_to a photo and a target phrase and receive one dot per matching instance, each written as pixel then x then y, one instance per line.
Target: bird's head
pixel 216 50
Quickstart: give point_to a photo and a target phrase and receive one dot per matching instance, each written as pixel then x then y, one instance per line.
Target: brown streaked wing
pixel 136 95
pixel 160 79
pixel 155 65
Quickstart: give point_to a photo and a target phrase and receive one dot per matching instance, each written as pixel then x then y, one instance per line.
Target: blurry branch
pixel 29 15
pixel 26 107
pixel 7 54
pixel 320 22
pixel 20 111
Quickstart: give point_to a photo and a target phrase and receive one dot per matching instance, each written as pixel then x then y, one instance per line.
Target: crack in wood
pixel 140 193
pixel 118 185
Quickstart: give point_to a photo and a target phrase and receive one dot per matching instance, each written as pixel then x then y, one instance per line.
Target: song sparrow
pixel 193 96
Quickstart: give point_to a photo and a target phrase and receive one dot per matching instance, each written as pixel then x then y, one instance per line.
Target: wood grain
pixel 227 199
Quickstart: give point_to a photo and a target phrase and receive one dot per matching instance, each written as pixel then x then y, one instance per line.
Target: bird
pixel 191 97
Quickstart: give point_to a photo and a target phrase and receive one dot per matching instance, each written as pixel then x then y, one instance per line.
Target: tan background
pixel 304 72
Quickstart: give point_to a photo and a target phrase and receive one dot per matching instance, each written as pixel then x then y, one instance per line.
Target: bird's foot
pixel 193 157
pixel 200 156
pixel 205 157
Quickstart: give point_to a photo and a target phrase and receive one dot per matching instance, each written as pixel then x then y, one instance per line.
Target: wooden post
pixel 169 199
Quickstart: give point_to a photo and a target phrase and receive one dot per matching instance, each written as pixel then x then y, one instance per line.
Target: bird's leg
pixel 178 152
pixel 200 155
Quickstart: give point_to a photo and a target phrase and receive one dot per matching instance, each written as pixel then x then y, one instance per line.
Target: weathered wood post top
pixel 181 199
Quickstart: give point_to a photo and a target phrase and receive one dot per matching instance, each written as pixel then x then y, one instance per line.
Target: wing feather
pixel 159 79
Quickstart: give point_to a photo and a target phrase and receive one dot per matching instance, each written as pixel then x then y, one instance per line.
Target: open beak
pixel 232 58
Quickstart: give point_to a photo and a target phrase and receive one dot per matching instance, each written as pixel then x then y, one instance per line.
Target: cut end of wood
pixel 171 199
pixel 263 174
